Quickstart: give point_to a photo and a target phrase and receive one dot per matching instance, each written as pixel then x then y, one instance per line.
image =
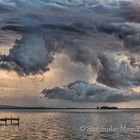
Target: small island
pixel 107 107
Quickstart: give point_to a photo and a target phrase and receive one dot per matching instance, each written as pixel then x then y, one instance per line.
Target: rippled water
pixel 73 125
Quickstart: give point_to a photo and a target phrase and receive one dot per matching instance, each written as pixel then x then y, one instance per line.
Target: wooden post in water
pixel 6 121
pixel 11 120
pixel 18 120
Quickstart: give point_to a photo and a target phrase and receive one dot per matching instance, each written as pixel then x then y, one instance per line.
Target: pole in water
pixel 6 121
pixel 11 119
pixel 18 120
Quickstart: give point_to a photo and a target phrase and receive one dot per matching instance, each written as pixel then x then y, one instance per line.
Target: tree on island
pixel 107 107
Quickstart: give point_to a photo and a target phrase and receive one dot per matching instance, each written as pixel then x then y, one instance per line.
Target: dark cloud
pixel 83 91
pixel 117 71
pixel 5 9
pixel 28 55
pixel 66 28
pixel 13 28
pixel 79 46
pixel 132 43
pixel 89 32
pixel 131 10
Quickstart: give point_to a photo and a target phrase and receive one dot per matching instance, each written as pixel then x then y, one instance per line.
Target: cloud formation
pixel 28 54
pixel 84 91
pixel 117 71
pixel 103 34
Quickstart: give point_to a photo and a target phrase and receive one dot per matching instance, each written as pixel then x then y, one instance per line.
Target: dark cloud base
pixel 85 92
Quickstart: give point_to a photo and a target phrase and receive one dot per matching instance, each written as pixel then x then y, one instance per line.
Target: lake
pixel 72 125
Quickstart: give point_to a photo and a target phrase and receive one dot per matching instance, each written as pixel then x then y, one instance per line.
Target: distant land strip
pixel 24 107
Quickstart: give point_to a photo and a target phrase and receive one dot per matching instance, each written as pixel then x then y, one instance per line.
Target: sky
pixel 70 53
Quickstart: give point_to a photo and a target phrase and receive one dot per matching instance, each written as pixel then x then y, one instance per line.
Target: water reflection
pixel 66 126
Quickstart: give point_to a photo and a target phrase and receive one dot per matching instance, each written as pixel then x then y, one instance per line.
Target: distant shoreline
pixel 50 108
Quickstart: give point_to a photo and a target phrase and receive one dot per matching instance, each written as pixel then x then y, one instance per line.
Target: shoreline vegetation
pixel 59 108
pixel 107 107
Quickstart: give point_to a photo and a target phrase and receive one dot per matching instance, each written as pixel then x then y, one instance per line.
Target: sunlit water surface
pixel 72 125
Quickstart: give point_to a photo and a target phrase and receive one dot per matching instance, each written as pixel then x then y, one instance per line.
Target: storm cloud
pixel 84 91
pixel 117 71
pixel 62 27
pixel 28 54
pixel 103 34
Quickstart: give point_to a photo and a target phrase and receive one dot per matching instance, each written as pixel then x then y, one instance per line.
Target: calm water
pixel 73 125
